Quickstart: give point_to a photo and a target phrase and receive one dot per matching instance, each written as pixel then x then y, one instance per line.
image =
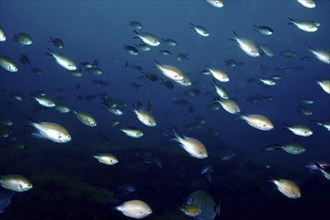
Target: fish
pixel 300 130
pixel 52 131
pixel 167 83
pixel 57 42
pixel 85 118
pixel 248 46
pixel 312 165
pixel 325 173
pixel 170 72
pixel 267 50
pixel 16 183
pixel 170 42
pixel 267 81
pixel 148 38
pixel 288 53
pixel 206 203
pixel 23 38
pixel 44 100
pixel 202 31
pixel 135 24
pixel 165 52
pixel 288 188
pixel 192 146
pixel 63 60
pixel 230 106
pixel 133 132
pixel 143 47
pixel 191 210
pixel 325 124
pixel 308 26
pixel 294 148
pixel 322 55
pixel 5 199
pixel 145 117
pixel 62 108
pixel 137 209
pixel 106 158
pixel 131 50
pixel 216 3
pixel 208 171
pixel 36 70
pixel 233 63
pixel 8 64
pixel 258 121
pixel 218 74
pixel 3 36
pixel 25 60
pixel 265 30
pixel 182 56
pixel 307 3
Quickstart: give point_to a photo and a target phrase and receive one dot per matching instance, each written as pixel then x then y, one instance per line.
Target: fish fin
pixel 136 32
pixel 192 25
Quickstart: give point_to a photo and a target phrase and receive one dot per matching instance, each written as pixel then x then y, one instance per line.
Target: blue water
pixel 98 30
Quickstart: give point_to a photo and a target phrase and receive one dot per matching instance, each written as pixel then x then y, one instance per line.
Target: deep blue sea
pixel 68 183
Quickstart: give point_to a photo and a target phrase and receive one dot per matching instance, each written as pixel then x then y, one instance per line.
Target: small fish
pixel 2 35
pixel 8 64
pixel 131 50
pixel 307 3
pixel 228 156
pixel 182 56
pixel 300 130
pixel 135 24
pixel 23 38
pixel 265 30
pixel 191 210
pixel 288 53
pixel 325 173
pixel 267 81
pixel 36 70
pixel 200 30
pixel 25 60
pixel 230 106
pixel 135 209
pixel 233 63
pixel 170 72
pixel 324 124
pixel 312 165
pixel 132 132
pixel 44 101
pixel 85 118
pixel 143 47
pixel 288 188
pixel 258 121
pixel 322 55
pixel 267 50
pixel 106 158
pixel 16 183
pixel 165 52
pixel 308 26
pixel 63 60
pixel 194 147
pixel 248 46
pixel 57 42
pixel 216 3
pixel 170 42
pixel 145 117
pixel 218 74
pixel 294 148
pixel 148 38
pixel 61 107
pixel 52 131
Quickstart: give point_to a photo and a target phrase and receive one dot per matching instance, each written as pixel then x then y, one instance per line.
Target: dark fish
pixel 167 83
pixel 36 70
pixel 135 24
pixel 57 42
pixel 150 76
pixel 265 30
pixel 206 203
pixel 131 50
pixel 233 63
pixel 25 60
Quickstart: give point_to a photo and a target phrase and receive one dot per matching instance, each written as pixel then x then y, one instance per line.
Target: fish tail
pixel 235 34
pixel 137 32
pixel 192 25
pixel 50 53
pixel 51 39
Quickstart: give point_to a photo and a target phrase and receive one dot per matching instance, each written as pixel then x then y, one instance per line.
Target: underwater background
pixel 68 183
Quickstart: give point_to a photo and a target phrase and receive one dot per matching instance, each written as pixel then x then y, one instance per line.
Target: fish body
pixel 135 24
pixel 248 46
pixel 85 118
pixel 106 158
pixel 8 64
pixel 145 117
pixel 218 74
pixel 57 42
pixel 52 131
pixel 2 35
pixel 170 72
pixel 258 121
pixel 288 188
pixel 200 30
pixel 15 183
pixel 322 55
pixel 216 3
pixel 308 26
pixel 63 60
pixel 132 132
pixel 307 3
pixel 44 101
pixel 265 30
pixel 194 147
pixel 206 203
pixel 191 210
pixel 230 106
pixel 23 38
pixel 148 38
pixel 300 130
pixel 135 209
